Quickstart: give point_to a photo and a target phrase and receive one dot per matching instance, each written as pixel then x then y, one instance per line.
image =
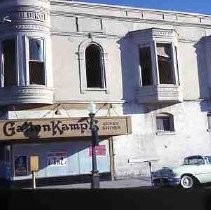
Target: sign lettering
pixel 70 127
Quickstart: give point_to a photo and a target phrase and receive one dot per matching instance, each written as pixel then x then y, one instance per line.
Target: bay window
pixel 157 65
pixel 22 66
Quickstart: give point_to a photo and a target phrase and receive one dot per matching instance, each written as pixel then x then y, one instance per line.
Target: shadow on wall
pixel 203 64
pixel 130 72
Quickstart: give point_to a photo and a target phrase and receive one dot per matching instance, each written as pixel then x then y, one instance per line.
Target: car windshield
pixel 195 160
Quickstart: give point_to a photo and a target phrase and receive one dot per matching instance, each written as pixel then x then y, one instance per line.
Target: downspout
pixel 111 150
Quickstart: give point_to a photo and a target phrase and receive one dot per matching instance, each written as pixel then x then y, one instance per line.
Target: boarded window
pixel 146 66
pixel 36 62
pixel 9 62
pixel 165 64
pixel 165 122
pixel 94 67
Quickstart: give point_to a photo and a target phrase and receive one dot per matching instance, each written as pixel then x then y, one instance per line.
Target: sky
pixel 193 6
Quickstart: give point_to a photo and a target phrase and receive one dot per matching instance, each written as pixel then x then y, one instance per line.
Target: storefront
pixel 62 146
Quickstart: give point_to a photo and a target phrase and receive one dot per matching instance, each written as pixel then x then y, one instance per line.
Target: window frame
pixel 170 117
pixel 2 39
pixel 172 62
pixel 27 57
pixel 82 67
pixel 151 59
pixel 102 68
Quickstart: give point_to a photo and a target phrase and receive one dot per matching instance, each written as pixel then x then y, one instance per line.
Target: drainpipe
pixel 111 151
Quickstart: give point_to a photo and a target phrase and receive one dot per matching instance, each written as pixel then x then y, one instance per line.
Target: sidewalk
pixel 119 183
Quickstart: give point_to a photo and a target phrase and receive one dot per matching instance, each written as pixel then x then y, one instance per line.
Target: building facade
pixel 148 71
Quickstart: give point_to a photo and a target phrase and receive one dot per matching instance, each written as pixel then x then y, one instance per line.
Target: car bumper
pixel 174 181
pixel 166 181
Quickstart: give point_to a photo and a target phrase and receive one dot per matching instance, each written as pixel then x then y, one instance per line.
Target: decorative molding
pixel 30 15
pixel 26 94
pixel 159 93
pixel 32 27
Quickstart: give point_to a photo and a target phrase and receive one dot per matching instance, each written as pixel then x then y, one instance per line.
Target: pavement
pixel 113 184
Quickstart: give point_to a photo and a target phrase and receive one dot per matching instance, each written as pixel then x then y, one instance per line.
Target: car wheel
pixel 187 181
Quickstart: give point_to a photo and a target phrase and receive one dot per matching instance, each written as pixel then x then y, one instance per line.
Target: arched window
pixel 94 67
pixel 165 122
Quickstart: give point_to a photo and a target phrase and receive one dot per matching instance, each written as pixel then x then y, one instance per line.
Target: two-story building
pixel 148 71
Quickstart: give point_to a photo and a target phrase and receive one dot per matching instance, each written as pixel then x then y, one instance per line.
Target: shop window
pixel 94 67
pixel 36 62
pixel 165 122
pixel 8 60
pixel 146 66
pixel 165 63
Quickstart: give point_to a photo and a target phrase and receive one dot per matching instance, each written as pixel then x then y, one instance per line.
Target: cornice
pixel 129 19
pixel 132 19
pixel 131 13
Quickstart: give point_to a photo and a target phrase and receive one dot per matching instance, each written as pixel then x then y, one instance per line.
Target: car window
pixel 195 160
pixel 208 159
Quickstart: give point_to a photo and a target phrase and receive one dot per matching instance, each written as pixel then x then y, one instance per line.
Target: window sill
pixel 94 90
pixel 160 133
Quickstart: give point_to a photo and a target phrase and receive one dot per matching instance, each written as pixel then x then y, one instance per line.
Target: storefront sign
pixel 68 127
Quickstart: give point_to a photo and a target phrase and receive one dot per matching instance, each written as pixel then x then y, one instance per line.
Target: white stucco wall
pixel 109 27
pixel 190 137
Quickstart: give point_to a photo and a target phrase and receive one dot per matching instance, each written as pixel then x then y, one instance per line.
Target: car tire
pixel 187 182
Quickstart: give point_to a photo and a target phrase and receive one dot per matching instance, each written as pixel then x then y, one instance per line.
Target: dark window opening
pixel 36 70
pixel 94 71
pixel 165 64
pixel 9 62
pixel 209 120
pixel 146 66
pixel 36 62
pixel 165 123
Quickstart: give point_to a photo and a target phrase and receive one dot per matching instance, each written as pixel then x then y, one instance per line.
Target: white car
pixel 194 170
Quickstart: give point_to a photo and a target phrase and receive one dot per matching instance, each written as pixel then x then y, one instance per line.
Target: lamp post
pixel 95 180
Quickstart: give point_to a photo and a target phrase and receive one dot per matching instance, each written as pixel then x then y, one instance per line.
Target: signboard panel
pixel 100 150
pixel 20 165
pixel 34 163
pixel 57 158
pixel 67 127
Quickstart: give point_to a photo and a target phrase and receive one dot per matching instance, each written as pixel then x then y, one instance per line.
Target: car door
pixel 203 171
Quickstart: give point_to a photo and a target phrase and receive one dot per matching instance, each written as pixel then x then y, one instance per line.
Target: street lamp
pixel 95 181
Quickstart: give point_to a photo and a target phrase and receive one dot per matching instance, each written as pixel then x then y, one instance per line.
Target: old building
pixel 148 72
